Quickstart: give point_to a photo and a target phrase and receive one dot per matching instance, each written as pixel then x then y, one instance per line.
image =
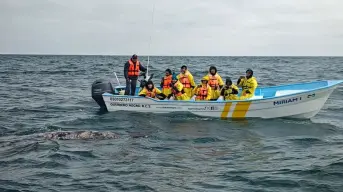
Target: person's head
pixel 174 78
pixel 168 72
pixel 204 80
pixel 183 69
pixel 228 82
pixel 249 73
pixel 150 85
pixel 134 57
pixel 213 70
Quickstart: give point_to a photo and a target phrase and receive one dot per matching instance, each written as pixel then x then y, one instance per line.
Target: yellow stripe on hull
pixel 226 110
pixel 241 109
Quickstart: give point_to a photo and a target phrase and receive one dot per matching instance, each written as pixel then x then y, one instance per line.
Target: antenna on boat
pixel 152 23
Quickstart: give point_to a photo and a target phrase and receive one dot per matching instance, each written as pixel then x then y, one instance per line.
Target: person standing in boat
pixel 215 82
pixel 178 92
pixel 131 73
pixel 166 83
pixel 151 91
pixel 203 92
pixel 187 80
pixel 248 84
pixel 229 91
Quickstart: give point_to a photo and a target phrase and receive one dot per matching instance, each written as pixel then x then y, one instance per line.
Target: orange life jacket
pixel 202 93
pixel 167 81
pixel 213 82
pixel 133 69
pixel 179 93
pixel 151 93
pixel 185 81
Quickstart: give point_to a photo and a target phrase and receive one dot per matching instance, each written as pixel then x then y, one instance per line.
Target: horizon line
pixel 143 55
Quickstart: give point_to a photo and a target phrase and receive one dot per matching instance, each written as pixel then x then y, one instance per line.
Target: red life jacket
pixel 202 93
pixel 151 93
pixel 213 83
pixel 133 69
pixel 185 80
pixel 167 81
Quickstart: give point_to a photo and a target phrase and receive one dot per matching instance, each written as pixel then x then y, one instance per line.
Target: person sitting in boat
pixel 248 84
pixel 215 82
pixel 229 91
pixel 151 91
pixel 178 92
pixel 187 80
pixel 166 83
pixel 203 92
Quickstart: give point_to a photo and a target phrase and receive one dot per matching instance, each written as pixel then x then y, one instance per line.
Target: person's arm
pixel 209 94
pixel 234 89
pixel 162 82
pixel 179 87
pixel 222 92
pixel 126 70
pixel 253 87
pixel 240 81
pixel 220 82
pixel 161 96
pixel 142 93
pixel 169 96
pixel 175 88
pixel 141 67
pixel 158 91
pixel 195 90
pixel 191 80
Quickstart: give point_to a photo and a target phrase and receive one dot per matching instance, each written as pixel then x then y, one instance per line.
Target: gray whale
pixel 70 135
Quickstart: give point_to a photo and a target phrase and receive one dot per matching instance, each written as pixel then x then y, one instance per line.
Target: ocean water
pixel 155 152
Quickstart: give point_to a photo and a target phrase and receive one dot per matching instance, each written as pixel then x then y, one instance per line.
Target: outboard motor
pixel 100 87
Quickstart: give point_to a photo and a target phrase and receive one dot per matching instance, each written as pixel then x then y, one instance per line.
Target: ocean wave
pixel 13 186
pixel 120 172
pixel 172 165
pixel 209 186
pixel 46 72
pixel 20 162
pixel 307 141
pixel 51 175
pixel 207 140
pixel 37 109
pixel 5 130
pixel 87 154
pixel 62 156
pixel 18 150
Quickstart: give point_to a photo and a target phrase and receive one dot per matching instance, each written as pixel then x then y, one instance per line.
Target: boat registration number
pixel 121 99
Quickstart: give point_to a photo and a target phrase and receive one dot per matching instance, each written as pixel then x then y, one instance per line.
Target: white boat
pixel 301 100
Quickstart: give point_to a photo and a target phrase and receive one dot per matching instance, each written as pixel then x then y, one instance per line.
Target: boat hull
pixel 302 105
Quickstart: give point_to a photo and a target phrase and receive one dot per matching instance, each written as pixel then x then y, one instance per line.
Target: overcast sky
pixel 181 27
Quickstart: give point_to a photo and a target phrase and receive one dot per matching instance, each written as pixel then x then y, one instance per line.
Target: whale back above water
pixel 71 135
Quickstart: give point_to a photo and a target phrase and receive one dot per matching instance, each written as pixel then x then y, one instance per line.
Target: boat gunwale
pixel 334 84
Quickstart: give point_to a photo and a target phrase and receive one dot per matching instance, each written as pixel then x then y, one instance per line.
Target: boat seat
pixel 286 92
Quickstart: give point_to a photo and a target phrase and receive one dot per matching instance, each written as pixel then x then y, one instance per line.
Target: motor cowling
pixel 100 87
